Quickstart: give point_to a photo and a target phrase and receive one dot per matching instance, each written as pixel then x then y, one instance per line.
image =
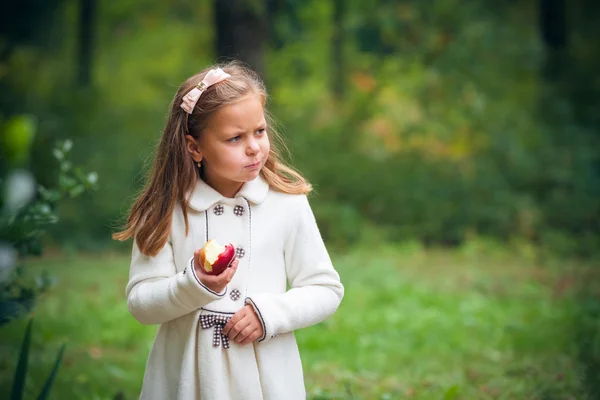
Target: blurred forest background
pixel 436 123
pixel 434 120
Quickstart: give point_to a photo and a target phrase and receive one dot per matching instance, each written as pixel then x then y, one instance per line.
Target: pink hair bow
pixel 213 76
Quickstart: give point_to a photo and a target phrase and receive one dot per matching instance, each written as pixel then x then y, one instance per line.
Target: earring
pixel 199 164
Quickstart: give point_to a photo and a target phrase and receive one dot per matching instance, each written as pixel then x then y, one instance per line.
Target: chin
pixel 251 175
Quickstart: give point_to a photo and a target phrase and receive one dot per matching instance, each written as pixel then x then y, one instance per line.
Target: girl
pixel 218 175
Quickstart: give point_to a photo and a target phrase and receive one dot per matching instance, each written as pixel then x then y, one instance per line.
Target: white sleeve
pixel 156 293
pixel 315 288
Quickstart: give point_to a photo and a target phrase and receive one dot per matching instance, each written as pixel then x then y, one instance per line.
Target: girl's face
pixel 234 146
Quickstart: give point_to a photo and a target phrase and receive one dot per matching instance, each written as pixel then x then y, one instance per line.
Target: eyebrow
pixel 241 131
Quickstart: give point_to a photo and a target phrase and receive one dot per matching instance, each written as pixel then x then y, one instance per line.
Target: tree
pixel 337 42
pixel 553 23
pixel 87 11
pixel 241 31
pixel 553 32
pixel 22 23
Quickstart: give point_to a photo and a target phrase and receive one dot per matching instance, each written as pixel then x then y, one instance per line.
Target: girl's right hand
pixel 216 283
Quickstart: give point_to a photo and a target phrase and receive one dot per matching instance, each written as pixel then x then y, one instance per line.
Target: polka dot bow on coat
pixel 219 322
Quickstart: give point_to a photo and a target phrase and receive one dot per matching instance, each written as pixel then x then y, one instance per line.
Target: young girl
pixel 218 175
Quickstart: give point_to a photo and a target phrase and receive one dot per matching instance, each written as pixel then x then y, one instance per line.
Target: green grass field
pixel 474 323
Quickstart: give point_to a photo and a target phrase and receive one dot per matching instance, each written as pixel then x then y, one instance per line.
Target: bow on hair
pixel 213 76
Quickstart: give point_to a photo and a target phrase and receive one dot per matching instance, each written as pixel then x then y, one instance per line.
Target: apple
pixel 215 258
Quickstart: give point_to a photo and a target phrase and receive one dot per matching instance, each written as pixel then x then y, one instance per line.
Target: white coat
pixel 278 243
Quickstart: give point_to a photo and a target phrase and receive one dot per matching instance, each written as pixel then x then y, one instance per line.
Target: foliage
pixel 413 323
pixel 18 388
pixel 26 209
pixel 450 124
pixel 448 127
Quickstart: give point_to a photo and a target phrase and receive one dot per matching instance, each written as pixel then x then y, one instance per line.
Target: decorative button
pixel 238 210
pixel 235 294
pixel 240 253
pixel 219 209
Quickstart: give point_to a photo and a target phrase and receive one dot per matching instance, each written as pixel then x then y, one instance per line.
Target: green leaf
pixel 17 137
pixel 67 145
pixel 50 195
pixel 66 182
pixel 77 190
pixel 21 372
pixel 48 385
pixel 58 154
pixel 65 166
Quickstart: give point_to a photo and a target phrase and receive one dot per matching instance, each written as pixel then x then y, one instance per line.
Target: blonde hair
pixel 174 173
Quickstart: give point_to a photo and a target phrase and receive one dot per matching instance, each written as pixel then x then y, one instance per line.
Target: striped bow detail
pixel 218 322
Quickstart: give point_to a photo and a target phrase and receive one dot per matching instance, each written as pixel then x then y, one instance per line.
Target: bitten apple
pixel 215 258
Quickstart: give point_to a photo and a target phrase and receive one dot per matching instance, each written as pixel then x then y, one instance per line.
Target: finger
pixel 227 276
pixel 244 333
pixel 231 273
pixel 238 328
pixel 235 268
pixel 234 320
pixel 237 317
pixel 251 338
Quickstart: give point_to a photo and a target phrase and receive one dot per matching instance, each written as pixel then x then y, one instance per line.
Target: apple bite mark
pixel 215 258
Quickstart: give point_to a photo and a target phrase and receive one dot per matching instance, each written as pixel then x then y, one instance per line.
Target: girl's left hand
pixel 244 327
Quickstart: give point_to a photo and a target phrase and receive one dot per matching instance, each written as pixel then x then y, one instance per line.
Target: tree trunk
pixel 241 32
pixel 87 11
pixel 337 43
pixel 553 23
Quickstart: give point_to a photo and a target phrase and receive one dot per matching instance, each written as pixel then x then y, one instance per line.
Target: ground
pixel 480 322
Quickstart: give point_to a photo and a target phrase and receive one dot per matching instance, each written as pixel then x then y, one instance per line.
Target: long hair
pixel 174 173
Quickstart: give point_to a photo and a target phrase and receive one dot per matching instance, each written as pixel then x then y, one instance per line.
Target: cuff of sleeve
pixel 191 292
pixel 193 272
pixel 267 334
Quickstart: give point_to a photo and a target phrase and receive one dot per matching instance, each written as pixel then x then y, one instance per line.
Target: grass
pixel 475 323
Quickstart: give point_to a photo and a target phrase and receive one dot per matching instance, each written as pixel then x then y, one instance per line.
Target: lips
pixel 255 165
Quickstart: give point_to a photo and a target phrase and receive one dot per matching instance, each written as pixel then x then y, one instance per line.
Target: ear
pixel 193 148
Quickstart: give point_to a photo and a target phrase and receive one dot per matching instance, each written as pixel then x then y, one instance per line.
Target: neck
pixel 225 188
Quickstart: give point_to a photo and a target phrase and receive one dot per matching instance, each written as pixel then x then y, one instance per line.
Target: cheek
pixel 233 158
pixel 218 155
pixel 266 145
pixel 228 157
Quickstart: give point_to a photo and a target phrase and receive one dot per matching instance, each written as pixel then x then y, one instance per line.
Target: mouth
pixel 253 166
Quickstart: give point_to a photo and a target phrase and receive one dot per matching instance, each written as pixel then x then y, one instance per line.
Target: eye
pixel 234 139
pixel 261 131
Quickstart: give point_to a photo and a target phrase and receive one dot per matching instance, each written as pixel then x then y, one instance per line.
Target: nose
pixel 253 147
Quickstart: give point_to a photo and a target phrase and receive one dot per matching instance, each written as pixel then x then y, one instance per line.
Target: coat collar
pixel 203 196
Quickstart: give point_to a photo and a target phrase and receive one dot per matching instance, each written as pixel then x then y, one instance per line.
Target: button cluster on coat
pixel 219 209
pixel 238 210
pixel 239 252
pixel 235 294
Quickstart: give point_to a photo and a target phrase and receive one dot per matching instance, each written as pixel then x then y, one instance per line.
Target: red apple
pixel 215 258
